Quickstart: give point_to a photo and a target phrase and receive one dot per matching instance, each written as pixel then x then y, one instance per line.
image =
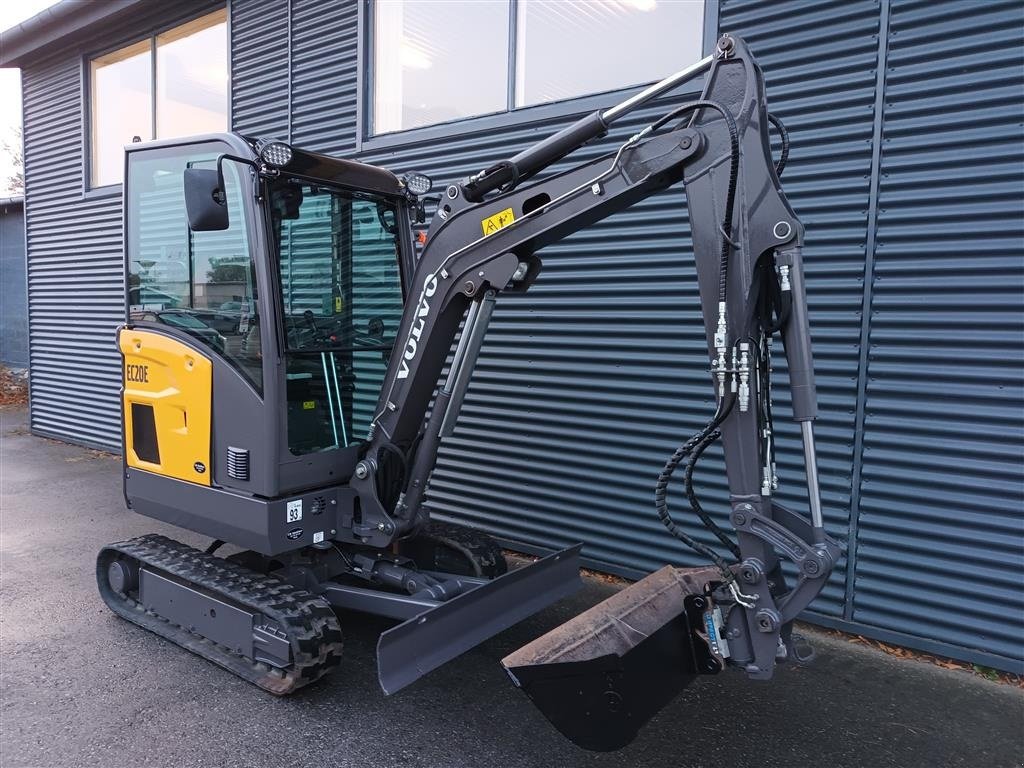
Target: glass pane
pixel 200 283
pixel 122 109
pixel 192 78
pixel 341 291
pixel 661 37
pixel 438 60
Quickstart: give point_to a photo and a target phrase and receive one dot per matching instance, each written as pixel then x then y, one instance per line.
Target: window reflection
pixel 440 60
pixel 437 60
pixel 653 37
pixel 192 78
pixel 191 96
pixel 122 98
pixel 202 284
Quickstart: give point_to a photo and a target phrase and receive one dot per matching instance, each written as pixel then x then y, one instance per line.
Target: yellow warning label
pixel 309 405
pixel 337 304
pixel 498 221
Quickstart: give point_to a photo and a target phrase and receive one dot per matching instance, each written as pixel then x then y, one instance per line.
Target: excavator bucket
pixel 603 674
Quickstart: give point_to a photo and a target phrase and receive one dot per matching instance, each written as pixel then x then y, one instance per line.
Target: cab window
pixel 202 284
pixel 341 294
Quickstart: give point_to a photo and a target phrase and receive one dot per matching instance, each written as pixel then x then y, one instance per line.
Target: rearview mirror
pixel 205 200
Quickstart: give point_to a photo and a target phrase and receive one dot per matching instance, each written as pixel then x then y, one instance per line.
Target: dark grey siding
pixel 324 49
pixel 75 261
pixel 13 299
pixel 75 283
pixel 940 531
pixel 260 67
pixel 906 170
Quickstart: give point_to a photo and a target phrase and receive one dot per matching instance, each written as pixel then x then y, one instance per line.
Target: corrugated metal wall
pixel 75 261
pixel 940 536
pixel 905 169
pixel 75 283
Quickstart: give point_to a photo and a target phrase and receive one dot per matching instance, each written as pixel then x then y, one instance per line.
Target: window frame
pixel 367 140
pixel 89 191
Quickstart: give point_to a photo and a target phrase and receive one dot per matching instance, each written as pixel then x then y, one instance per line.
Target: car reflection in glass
pixel 185 320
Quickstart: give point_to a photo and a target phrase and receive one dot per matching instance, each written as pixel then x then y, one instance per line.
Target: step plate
pixel 425 642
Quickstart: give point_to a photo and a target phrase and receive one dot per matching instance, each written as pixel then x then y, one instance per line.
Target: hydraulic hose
pixel 661 490
pixel 784 136
pixel 734 172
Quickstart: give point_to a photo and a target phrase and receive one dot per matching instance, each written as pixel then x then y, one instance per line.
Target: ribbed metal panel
pixel 324 50
pixel 75 262
pixel 259 67
pixel 75 279
pixel 588 383
pixel 940 529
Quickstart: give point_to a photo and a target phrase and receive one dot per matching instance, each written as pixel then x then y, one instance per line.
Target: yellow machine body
pixel 167 404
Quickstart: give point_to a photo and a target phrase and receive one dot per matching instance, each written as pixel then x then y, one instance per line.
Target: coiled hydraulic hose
pixel 734 172
pixel 784 136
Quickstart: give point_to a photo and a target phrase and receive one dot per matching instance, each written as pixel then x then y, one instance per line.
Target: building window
pixel 169 85
pixel 437 60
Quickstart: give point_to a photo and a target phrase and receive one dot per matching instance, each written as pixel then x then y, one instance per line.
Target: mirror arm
pixel 245 161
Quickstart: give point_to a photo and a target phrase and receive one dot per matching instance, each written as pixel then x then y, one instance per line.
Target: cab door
pixel 193 347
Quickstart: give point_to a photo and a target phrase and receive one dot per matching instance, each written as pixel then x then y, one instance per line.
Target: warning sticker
pixel 498 221
pixel 318 537
pixel 294 511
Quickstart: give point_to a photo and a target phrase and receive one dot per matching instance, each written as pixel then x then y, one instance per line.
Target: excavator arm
pixel 599 677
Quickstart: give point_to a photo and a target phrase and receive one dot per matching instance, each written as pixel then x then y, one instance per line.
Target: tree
pixel 12 148
pixel 226 270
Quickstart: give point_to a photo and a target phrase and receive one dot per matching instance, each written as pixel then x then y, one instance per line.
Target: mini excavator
pixel 291 367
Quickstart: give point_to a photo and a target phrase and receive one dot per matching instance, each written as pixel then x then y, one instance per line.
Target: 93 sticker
pixel 294 512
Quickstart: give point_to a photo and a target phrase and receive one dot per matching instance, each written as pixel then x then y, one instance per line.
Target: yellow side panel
pixel 177 382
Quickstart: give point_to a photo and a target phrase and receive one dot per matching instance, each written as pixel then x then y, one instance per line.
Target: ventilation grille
pixel 318 505
pixel 238 463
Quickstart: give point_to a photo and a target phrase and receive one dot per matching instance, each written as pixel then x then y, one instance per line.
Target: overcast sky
pixel 13 12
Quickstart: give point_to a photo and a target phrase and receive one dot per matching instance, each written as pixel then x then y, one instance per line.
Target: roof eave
pixel 27 41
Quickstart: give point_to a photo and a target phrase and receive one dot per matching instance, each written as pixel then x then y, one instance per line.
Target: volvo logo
pixel 422 312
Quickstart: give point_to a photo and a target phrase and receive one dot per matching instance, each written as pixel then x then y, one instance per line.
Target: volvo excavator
pixel 291 367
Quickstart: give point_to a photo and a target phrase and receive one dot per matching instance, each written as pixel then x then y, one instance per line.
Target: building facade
pixel 905 169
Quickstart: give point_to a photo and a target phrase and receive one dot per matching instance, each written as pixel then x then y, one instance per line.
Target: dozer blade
pixel 425 642
pixel 603 674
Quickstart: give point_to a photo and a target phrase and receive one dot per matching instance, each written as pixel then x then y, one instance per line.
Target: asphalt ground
pixel 80 687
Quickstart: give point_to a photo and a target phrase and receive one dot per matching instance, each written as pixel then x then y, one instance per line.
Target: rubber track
pixel 311 626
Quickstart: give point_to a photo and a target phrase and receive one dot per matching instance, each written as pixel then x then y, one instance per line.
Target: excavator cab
pixel 291 286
